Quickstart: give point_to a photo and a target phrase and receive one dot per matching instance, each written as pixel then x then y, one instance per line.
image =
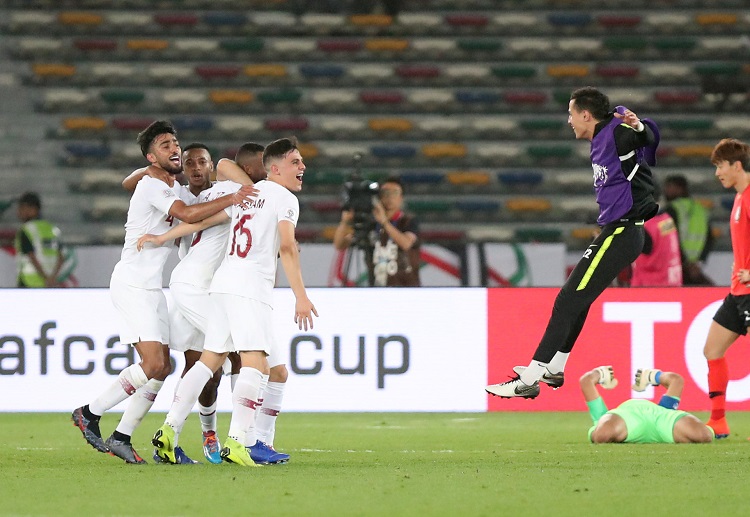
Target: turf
pixel 345 464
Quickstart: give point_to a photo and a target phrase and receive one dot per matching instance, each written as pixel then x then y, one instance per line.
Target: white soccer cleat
pixel 513 388
pixel 645 377
pixel 607 377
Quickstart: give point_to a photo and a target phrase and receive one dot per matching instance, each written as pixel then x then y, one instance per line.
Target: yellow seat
pixel 308 150
pixel 373 20
pixel 147 44
pixel 468 178
pixel 528 204
pixel 54 69
pixel 84 123
pixel 390 124
pixel 328 232
pixel 444 150
pixel 716 19
pixel 79 18
pixel 693 151
pixel 584 233
pixel 568 70
pixel 267 70
pixel 230 96
pixel 386 45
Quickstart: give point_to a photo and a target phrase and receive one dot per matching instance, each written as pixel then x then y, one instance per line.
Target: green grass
pixel 420 464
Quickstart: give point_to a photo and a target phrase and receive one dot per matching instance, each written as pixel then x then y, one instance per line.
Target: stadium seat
pixel 327 206
pixel 99 180
pixel 342 127
pixel 394 151
pixel 428 99
pixel 274 20
pixel 444 151
pixel 308 150
pixel 483 46
pixel 562 72
pixel 46 71
pixel 565 20
pixel 95 45
pixel 334 100
pixel 439 126
pixel 479 99
pixel 389 45
pixel 419 22
pixel 668 21
pixel 217 72
pixel 525 99
pixel 281 96
pixel 626 43
pixel 668 98
pixel 365 21
pixel 327 233
pixel 37 48
pixel 584 47
pixel 195 123
pixel 184 99
pixel 180 21
pixel 493 154
pixel 537 234
pixel 221 21
pixel 231 96
pixel 325 71
pixel 147 44
pixel 269 71
pixel 244 45
pixel 288 125
pixel 429 206
pixel 87 151
pixel 464 21
pixel 714 69
pixel 65 99
pixel 387 97
pixel 109 208
pixel 720 20
pixel 477 208
pixel 433 48
pixel 580 209
pixel 618 21
pixel 492 233
pixel 417 72
pixel 195 48
pixel 131 124
pixel 169 74
pixel 494 126
pixel 112 73
pixel 468 178
pixel 323 22
pixel 544 127
pixel 84 124
pixel 128 21
pixel 119 97
pixel 516 22
pixel 238 126
pixel 676 44
pixel 520 179
pixel 339 45
pixel 371 74
pixel 530 48
pixel 441 236
pixel 528 207
pixel 80 18
pixel 467 73
pixel 30 22
pixel 419 178
pixel 619 71
pixel 390 125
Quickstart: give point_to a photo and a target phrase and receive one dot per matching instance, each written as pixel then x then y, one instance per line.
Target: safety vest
pixel 692 224
pixel 45 239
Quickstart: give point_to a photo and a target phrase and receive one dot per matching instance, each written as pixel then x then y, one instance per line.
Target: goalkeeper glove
pixel 607 377
pixel 646 377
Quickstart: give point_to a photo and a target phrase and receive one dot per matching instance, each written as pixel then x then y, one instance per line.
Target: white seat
pixel 494 233
pixel 272 19
pixel 202 46
pixel 182 98
pixel 129 19
pixel 628 96
pixel 39 45
pixel 515 21
pixel 115 71
pixel 491 151
pixel 721 43
pixel 574 45
pixel 342 124
pixel 343 151
pixel 322 21
pixel 98 179
pixel 113 234
pixel 530 45
pixel 430 96
pixel 333 97
pixel 577 206
pixel 668 20
pixel 422 22
pixel 54 99
pixel 439 124
pixel 669 71
pixel 103 205
pixel 368 71
pixel 730 125
pixel 573 180
pixel 25 20
pixel 469 72
pixel 127 152
pixel 292 46
pixel 169 72
pixel 239 125
pixel 433 45
pixel 494 124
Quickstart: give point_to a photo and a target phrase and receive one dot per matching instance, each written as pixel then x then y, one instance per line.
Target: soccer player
pixel 640 420
pixel 241 294
pixel 621 148
pixel 732 160
pixel 135 288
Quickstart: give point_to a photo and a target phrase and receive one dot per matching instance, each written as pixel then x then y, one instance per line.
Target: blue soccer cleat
pixel 262 454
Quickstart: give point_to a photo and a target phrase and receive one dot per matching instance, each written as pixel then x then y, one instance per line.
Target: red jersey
pixel 663 266
pixel 739 228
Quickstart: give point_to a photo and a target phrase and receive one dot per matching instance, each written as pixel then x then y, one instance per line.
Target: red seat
pixel 417 71
pixel 131 124
pixel 325 206
pixel 381 97
pixel 677 97
pixel 618 20
pixel 212 72
pixel 340 45
pixel 95 44
pixel 287 124
pixel 441 235
pixel 467 20
pixel 181 20
pixel 617 71
pixel 523 97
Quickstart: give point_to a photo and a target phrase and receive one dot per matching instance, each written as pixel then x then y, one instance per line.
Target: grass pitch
pixel 421 464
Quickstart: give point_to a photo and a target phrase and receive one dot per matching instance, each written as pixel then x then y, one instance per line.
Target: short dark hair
pixel 146 137
pixel 393 179
pixel 677 180
pixel 246 151
pixel 592 100
pixel 196 145
pixel 278 149
pixel 732 150
pixel 30 199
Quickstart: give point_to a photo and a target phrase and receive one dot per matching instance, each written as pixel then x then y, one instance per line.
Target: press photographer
pixel 386 234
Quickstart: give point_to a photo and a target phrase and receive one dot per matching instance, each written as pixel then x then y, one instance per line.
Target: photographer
pixel 392 254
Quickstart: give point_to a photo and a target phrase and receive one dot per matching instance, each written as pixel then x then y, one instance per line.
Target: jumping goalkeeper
pixel 640 420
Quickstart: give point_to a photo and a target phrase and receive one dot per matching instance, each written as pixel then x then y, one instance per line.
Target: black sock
pixel 117 435
pixel 89 415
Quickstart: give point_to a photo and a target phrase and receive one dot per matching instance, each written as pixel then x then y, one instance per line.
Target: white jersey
pixel 208 246
pixel 148 213
pixel 249 266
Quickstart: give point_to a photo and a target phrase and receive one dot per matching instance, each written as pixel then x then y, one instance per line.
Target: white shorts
pixel 239 324
pixel 188 318
pixel 143 313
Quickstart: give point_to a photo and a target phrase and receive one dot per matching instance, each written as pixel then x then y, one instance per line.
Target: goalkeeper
pixel 640 420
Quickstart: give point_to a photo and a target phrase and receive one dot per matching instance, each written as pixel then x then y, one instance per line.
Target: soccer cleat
pixel 720 427
pixel 182 458
pixel 163 440
pixel 645 377
pixel 211 447
pixel 123 451
pixel 89 429
pixel 553 380
pixel 263 454
pixel 234 452
pixel 514 388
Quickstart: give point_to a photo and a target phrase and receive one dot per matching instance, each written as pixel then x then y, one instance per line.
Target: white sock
pixel 263 384
pixel 208 417
pixel 533 372
pixel 557 364
pixel 140 404
pixel 129 380
pixel 265 420
pixel 187 395
pixel 244 404
pixel 233 380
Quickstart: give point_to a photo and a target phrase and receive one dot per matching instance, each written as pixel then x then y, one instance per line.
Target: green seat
pixel 676 43
pixel 325 177
pixel 549 151
pixel 625 42
pixel 542 124
pixel 538 235
pixel 711 69
pixel 421 206
pixel 123 96
pixel 280 96
pixel 513 71
pixel 479 45
pixel 562 97
pixel 689 124
pixel 242 45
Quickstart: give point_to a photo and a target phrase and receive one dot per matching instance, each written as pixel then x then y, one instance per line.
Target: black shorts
pixel 734 314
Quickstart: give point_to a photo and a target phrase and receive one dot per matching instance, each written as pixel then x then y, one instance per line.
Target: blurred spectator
pixel 659 264
pixel 693 227
pixel 39 250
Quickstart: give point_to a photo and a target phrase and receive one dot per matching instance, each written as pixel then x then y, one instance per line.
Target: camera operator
pixel 393 257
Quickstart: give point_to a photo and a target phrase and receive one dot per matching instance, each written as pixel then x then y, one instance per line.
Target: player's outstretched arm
pixel 181 230
pixel 228 169
pixel 200 211
pixel 289 254
pixel 158 173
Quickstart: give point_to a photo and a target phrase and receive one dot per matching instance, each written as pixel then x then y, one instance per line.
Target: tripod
pixel 363 246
